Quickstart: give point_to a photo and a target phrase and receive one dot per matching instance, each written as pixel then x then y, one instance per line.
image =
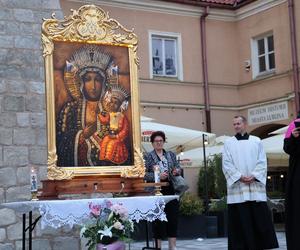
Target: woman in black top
pixel 292 201
pixel 167 164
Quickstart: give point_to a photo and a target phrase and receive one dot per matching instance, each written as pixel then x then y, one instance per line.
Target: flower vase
pixel 117 245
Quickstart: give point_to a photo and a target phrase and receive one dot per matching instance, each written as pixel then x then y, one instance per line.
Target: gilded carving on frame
pixel 93 122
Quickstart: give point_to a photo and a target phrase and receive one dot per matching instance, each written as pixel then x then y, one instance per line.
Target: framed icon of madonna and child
pixel 93 119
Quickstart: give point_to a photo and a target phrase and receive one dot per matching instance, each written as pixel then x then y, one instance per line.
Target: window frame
pixel 255 56
pixel 178 53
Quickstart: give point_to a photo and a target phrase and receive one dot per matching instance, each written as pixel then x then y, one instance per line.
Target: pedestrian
pixel 250 225
pixel 292 202
pixel 168 165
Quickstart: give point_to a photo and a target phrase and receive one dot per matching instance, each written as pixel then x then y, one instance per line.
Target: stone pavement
pixel 205 244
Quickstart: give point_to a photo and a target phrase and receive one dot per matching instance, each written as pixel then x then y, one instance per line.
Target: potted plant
pixel 108 225
pixel 218 208
pixel 216 189
pixel 191 223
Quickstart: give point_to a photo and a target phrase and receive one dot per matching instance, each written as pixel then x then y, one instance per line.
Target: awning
pixel 176 137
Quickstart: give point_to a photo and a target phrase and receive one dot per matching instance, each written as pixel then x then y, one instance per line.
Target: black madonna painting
pixel 92 105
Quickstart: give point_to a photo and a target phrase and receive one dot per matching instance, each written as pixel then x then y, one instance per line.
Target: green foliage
pixel 218 205
pixel 216 182
pixel 275 194
pixel 221 188
pixel 210 182
pixel 190 204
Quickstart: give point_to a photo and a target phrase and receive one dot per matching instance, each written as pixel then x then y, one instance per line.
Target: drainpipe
pixel 204 68
pixel 291 6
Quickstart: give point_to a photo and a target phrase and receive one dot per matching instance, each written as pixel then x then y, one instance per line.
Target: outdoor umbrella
pixel 177 138
pixel 194 157
pixel 273 147
pixel 279 131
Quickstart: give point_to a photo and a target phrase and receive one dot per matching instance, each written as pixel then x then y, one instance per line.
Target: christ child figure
pixel 113 146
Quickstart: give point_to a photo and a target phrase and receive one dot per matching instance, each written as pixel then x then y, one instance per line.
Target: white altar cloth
pixel 57 213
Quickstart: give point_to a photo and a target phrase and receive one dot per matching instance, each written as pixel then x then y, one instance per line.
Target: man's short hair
pixel 244 119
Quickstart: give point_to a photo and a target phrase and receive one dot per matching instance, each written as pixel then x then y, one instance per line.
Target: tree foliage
pixel 216 182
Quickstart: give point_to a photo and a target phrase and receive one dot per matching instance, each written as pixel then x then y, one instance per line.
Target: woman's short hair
pixel 157 133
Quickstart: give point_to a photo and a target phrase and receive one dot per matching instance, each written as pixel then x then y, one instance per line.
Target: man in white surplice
pixel 245 169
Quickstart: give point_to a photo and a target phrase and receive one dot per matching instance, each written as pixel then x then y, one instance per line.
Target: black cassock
pixel 292 197
pixel 250 226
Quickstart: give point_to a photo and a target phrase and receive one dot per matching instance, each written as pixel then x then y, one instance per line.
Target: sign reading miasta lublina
pixel 268 113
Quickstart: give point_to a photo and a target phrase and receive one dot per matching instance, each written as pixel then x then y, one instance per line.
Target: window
pixel 263 55
pixel 164 55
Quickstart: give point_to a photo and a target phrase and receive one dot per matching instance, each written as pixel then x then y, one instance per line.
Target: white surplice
pixel 244 157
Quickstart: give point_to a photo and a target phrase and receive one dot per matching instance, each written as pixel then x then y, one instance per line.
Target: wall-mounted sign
pixel 268 113
pixel 146 135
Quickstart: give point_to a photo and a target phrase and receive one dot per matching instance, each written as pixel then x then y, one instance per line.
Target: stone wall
pixel 22 117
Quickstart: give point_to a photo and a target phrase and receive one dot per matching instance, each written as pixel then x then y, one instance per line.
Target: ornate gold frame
pixel 90 24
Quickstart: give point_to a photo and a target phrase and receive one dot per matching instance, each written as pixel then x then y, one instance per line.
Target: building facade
pixel 248 61
pixel 199 67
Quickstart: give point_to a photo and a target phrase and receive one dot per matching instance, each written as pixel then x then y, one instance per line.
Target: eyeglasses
pixel 158 141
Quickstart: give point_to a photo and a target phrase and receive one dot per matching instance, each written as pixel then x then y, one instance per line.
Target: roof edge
pixel 212 5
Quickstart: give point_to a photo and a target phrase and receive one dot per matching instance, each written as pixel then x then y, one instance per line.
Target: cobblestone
pixel 203 244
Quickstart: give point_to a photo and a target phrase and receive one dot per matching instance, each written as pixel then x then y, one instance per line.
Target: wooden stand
pixel 85 185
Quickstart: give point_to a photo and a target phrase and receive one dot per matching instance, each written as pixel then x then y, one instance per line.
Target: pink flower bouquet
pixel 107 223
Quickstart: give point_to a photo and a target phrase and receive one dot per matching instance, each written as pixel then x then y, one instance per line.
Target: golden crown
pixel 89 58
pixel 118 92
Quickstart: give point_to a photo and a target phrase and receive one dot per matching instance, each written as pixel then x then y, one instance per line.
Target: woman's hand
pixel 176 171
pixel 296 132
pixel 163 176
pixel 155 167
